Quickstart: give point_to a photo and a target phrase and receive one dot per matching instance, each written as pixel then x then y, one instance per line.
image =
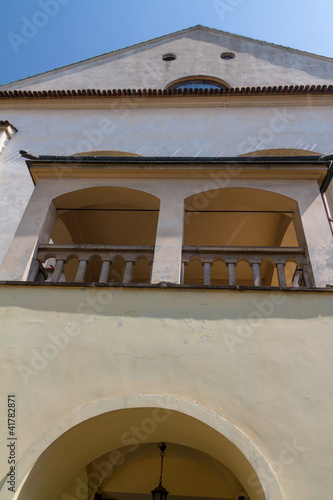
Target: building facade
pixel 167 274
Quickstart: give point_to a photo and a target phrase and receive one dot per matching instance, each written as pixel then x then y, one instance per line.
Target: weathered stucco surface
pixel 256 359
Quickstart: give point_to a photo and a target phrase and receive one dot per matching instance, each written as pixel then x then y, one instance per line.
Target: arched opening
pixel 243 272
pixel 194 272
pixel 107 215
pixel 116 454
pixel 197 82
pixel 102 234
pixel 252 232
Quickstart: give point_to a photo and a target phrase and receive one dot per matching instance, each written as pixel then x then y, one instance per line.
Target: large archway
pixel 107 215
pixel 111 443
pixel 114 219
pixel 240 218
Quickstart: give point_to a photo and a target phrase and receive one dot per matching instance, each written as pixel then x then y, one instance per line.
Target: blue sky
pixel 40 35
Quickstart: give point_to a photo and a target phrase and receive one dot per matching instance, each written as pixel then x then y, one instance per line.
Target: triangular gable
pixel 197 52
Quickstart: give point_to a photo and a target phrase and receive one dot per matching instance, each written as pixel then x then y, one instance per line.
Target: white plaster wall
pixel 198 53
pixel 219 131
pixel 149 132
pixel 262 361
pixel 16 187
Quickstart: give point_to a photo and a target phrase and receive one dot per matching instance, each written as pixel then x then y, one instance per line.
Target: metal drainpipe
pixel 323 190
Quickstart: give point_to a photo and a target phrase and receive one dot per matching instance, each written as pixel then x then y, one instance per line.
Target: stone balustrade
pixel 85 253
pixel 278 257
pixel 255 257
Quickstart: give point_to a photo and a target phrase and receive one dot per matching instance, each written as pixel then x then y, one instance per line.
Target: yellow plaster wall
pixel 261 361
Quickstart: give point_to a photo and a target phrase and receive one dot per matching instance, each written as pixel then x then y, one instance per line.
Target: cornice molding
pixel 150 168
pixel 195 101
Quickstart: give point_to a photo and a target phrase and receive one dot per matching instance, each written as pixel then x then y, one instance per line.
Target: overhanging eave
pixel 295 167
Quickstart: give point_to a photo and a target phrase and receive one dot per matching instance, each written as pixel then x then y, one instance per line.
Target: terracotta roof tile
pixel 55 94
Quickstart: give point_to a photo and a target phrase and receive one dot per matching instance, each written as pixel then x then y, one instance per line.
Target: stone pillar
pixel 35 228
pixel 318 238
pixel 169 240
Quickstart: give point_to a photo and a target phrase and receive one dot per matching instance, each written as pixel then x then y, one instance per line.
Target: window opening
pixel 193 83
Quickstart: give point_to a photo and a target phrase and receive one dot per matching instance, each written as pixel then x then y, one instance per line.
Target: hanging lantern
pixel 160 493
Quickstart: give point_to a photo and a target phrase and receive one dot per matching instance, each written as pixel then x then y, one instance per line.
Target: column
pixel 169 240
pixel 35 228
pixel 318 238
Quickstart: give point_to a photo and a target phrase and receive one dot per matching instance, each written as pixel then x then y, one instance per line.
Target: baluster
pixel 207 273
pixel 33 273
pixel 104 276
pixel 59 267
pixel 81 271
pixel 307 276
pixel 297 276
pixel 281 275
pixel 151 271
pixel 62 278
pixel 128 272
pixel 231 274
pixel 182 273
pixel 256 274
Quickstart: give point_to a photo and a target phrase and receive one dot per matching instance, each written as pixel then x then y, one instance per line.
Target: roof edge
pixel 233 91
pixel 310 159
